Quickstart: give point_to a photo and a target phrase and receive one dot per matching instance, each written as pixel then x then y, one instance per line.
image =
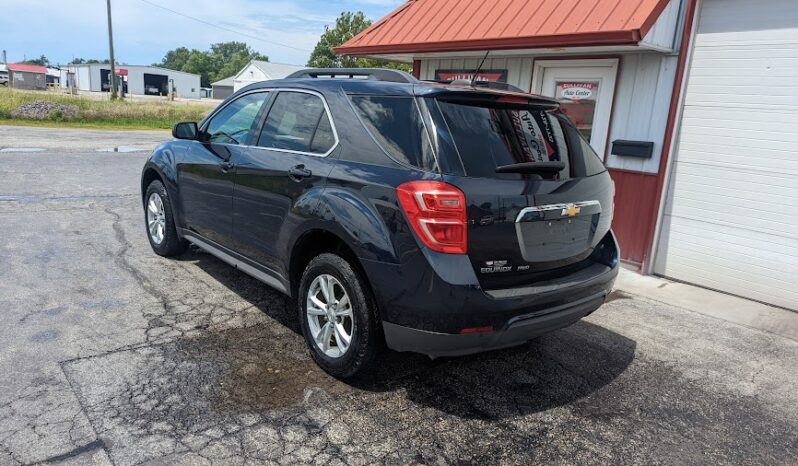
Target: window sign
pixel 496 76
pixel 578 101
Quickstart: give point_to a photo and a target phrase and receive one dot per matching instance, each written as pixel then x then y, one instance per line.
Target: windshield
pixel 490 136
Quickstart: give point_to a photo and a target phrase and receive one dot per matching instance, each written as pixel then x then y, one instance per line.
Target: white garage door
pixel 731 215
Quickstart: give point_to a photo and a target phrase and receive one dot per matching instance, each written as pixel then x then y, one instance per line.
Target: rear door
pixel 288 159
pixel 525 224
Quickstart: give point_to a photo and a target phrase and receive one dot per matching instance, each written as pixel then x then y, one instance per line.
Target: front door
pixel 585 91
pixel 276 179
pixel 206 171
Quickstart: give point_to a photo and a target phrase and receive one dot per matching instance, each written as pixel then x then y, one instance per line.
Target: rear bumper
pixel 430 303
pixel 519 330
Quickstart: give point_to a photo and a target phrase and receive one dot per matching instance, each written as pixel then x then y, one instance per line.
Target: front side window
pixel 299 122
pixel 233 123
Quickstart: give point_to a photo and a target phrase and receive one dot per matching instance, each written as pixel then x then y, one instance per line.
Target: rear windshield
pixel 486 137
pixel 397 126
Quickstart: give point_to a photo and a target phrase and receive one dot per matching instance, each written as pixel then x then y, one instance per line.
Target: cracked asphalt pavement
pixel 110 354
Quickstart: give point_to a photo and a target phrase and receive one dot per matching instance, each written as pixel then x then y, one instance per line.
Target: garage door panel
pixel 731 266
pixel 780 265
pixel 741 163
pixel 769 87
pixel 751 100
pixel 759 60
pixel 699 273
pixel 728 270
pixel 734 176
pixel 740 193
pixel 780 248
pixel 744 55
pixel 744 135
pixel 740 119
pixel 714 209
pixel 730 220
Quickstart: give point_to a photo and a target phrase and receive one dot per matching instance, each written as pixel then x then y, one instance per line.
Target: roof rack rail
pixel 377 74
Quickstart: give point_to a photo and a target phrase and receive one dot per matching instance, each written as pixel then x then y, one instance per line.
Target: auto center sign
pixel 496 76
pixel 576 90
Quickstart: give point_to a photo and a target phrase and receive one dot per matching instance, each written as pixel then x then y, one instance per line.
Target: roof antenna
pixel 479 68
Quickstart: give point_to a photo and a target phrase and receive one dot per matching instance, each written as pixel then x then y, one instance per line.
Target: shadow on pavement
pixel 551 371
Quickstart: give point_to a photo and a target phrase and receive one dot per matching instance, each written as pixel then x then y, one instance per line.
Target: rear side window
pixel 487 137
pixel 396 124
pixel 297 121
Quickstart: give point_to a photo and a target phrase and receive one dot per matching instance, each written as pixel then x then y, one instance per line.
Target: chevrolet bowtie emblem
pixel 570 210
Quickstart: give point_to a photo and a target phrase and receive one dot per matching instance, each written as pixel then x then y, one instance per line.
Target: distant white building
pixel 138 79
pixel 257 71
pixel 223 88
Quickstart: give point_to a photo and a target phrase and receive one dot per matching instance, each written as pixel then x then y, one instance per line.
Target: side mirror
pixel 185 130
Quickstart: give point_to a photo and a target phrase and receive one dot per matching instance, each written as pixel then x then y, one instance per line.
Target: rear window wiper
pixel 539 168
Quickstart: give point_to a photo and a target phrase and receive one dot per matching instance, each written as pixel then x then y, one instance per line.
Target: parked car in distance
pixel 3 78
pixel 438 218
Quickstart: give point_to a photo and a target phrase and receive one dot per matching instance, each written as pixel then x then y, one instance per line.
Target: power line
pixel 208 23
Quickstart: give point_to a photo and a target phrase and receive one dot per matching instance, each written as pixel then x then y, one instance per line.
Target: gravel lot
pixel 110 354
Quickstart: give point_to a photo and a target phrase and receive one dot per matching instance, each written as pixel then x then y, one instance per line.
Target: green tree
pixel 229 58
pixel 41 61
pixel 175 59
pixel 347 26
pixel 82 61
pixel 221 61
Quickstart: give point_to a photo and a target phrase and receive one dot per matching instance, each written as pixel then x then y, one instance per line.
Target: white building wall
pixel 642 100
pixel 662 36
pixel 250 74
pixel 95 78
pixel 89 78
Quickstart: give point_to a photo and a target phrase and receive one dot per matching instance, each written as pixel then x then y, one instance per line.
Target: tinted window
pixel 233 123
pixel 396 124
pixel 488 137
pixel 297 121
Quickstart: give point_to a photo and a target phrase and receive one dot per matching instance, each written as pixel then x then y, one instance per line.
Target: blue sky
pixel 62 30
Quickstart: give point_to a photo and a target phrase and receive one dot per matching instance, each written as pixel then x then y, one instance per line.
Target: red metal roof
pixel 27 68
pixel 460 25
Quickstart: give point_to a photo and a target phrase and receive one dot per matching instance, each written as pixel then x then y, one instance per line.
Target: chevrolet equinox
pixel 444 218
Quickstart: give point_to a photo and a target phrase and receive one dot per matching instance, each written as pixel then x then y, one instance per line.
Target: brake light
pixel 437 213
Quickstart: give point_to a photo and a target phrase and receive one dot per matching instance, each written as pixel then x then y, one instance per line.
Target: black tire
pixel 366 334
pixel 172 244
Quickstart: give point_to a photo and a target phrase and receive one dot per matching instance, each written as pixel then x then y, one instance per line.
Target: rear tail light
pixel 437 213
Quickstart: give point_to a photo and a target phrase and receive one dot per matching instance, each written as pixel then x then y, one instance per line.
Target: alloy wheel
pixel 329 314
pixel 156 218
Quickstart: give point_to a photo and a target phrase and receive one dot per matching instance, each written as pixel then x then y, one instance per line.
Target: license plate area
pixel 556 231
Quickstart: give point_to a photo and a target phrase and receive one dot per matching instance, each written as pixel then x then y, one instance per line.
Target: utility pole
pixel 111 48
pixel 5 60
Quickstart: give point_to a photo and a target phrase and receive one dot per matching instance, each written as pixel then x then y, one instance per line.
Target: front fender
pixel 162 164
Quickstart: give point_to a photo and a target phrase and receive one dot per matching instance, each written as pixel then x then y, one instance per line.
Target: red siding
pixel 636 202
pixel 417 69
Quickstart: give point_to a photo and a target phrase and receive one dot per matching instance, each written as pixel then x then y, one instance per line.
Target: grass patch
pixel 104 114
